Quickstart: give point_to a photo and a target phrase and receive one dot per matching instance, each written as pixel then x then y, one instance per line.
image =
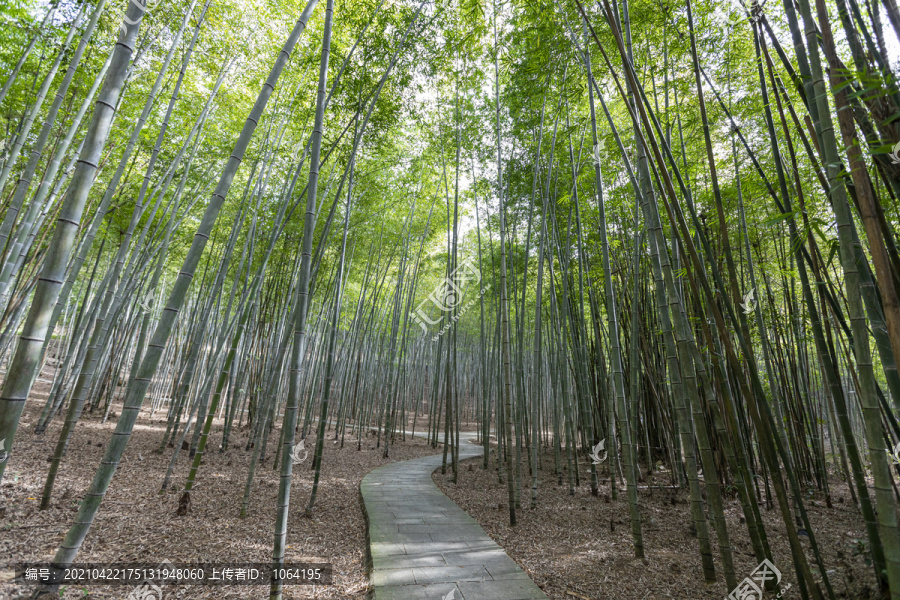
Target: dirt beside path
pixel 138 524
pixel 580 547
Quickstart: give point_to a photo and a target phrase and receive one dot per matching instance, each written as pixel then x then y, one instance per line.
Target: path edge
pixel 369 566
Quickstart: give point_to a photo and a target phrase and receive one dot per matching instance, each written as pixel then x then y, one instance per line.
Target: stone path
pixel 424 547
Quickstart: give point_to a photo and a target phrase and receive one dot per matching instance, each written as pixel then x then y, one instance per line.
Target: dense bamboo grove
pixel 667 227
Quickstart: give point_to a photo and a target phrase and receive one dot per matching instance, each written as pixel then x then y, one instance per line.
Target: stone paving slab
pixel 424 547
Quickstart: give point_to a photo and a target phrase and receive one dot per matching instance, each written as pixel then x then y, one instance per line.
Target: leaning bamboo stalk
pixel 887 514
pixel 38 147
pixel 290 413
pixel 506 372
pixel 24 364
pixel 137 387
pixel 107 308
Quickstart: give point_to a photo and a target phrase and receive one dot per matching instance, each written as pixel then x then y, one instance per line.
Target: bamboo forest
pixel 450 299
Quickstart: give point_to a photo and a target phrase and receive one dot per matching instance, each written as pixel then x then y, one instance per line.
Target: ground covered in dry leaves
pixel 580 547
pixel 138 524
pixel 575 547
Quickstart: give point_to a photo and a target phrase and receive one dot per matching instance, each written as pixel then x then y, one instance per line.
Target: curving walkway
pixel 424 547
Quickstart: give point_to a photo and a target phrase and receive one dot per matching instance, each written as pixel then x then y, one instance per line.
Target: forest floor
pixel 579 547
pixel 138 524
pixel 575 547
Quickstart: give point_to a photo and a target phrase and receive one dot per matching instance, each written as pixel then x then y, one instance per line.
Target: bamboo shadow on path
pixel 422 546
